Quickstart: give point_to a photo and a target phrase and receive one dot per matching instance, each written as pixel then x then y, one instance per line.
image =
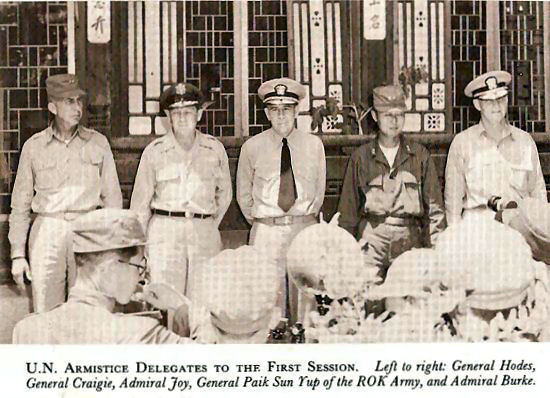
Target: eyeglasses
pixel 142 268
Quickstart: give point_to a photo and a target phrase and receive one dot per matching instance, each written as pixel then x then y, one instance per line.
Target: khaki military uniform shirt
pixel 85 319
pixel 55 176
pixel 171 179
pixel 479 167
pixel 259 171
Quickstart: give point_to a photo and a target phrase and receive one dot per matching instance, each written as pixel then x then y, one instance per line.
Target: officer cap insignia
pixel 280 89
pixel 491 83
pixel 180 89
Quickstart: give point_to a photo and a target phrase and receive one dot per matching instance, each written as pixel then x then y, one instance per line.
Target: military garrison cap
pixel 281 91
pixel 63 86
pixel 489 86
pixel 181 95
pixel 107 229
pixel 388 97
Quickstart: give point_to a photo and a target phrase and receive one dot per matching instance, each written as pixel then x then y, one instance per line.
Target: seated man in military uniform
pixel 108 245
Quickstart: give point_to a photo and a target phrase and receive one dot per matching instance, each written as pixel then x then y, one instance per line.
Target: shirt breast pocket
pixel 412 193
pixel 168 181
pixel 375 198
pixel 46 174
pixel 266 174
pixel 91 166
pixel 478 172
pixel 168 174
pixel 519 177
pixel 306 177
pixel 209 169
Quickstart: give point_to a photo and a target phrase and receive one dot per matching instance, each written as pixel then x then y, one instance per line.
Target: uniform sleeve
pixel 433 201
pixel 350 201
pixel 455 184
pixel 245 176
pixel 539 186
pixel 321 179
pixel 111 195
pixel 18 337
pixel 224 191
pixel 143 330
pixel 144 189
pixel 21 199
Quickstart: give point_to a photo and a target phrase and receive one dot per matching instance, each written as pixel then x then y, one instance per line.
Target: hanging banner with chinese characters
pixel 99 21
pixel 374 19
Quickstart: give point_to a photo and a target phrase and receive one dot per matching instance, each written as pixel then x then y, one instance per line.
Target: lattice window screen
pixel 420 35
pixel 318 56
pixel 522 54
pixel 170 41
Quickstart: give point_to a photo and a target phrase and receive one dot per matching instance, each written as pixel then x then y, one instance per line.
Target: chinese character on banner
pixel 374 19
pixel 99 21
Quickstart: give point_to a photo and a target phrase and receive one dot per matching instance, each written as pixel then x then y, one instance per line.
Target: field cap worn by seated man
pixel 107 245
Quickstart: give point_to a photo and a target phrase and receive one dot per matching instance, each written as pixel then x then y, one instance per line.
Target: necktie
pixel 287 188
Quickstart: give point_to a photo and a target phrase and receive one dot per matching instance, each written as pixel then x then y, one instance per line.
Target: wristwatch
pixel 492 203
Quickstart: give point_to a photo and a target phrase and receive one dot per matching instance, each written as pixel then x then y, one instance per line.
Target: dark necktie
pixel 287 189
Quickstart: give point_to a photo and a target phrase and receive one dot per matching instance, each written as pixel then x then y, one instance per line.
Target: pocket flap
pixel 377 181
pixel 523 166
pixel 43 164
pixel 90 156
pixel 166 173
pixel 408 178
pixel 267 173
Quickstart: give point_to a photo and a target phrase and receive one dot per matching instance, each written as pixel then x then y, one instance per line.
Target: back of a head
pixel 493 261
pixel 239 288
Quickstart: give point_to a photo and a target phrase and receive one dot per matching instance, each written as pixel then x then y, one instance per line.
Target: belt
pixel 185 214
pixel 400 221
pixel 65 215
pixel 286 220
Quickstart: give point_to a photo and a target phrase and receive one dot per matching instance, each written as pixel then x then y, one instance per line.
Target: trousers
pixel 274 240
pixel 51 260
pixel 177 246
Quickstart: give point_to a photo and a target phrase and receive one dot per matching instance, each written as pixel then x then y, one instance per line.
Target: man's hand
pixel 163 296
pixel 20 268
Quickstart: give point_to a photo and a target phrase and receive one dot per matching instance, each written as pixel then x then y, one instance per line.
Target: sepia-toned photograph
pixel 274 171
